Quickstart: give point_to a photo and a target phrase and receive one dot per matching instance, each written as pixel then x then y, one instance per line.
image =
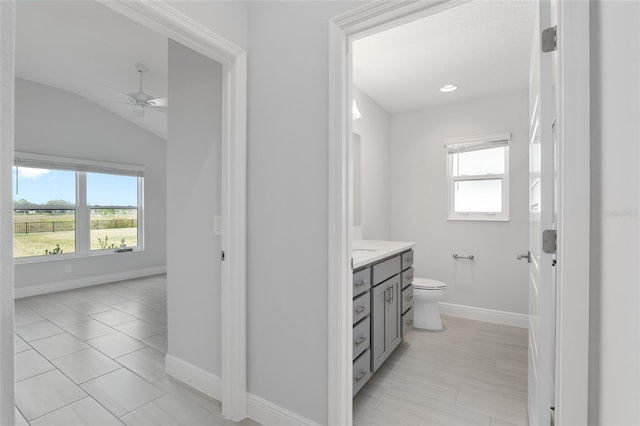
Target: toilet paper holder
pixel 470 257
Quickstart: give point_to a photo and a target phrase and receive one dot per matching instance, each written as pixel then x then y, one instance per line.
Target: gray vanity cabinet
pixel 382 312
pixel 361 327
pixel 385 329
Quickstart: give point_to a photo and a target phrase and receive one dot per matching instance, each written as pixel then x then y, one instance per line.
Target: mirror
pixel 357 181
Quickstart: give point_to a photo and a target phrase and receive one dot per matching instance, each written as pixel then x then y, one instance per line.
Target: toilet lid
pixel 428 283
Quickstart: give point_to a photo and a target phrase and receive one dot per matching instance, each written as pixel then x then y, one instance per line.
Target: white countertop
pixel 365 252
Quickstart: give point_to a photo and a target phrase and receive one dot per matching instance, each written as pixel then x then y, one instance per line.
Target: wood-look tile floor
pixel 95 356
pixel 471 373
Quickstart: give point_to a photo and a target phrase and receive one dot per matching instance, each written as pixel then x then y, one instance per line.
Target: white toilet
pixel 426 295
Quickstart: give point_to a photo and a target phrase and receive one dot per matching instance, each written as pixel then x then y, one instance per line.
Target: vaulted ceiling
pixel 82 46
pixel 482 46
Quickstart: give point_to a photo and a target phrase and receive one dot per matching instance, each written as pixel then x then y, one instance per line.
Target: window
pixel 72 208
pixel 478 178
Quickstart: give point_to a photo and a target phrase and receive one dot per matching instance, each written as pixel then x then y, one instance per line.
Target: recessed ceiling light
pixel 448 88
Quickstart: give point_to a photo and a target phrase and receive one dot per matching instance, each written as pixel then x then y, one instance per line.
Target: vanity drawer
pixel 361 281
pixel 407 298
pixel 407 277
pixel 407 322
pixel 361 306
pixel 386 269
pixel 361 337
pixel 407 259
pixel 361 371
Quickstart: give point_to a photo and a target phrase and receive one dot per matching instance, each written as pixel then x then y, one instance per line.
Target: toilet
pixel 426 295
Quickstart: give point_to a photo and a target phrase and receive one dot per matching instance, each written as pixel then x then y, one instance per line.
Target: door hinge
pixel 549 39
pixel 222 255
pixel 549 237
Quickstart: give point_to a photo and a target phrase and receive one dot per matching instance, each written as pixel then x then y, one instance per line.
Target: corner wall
pixel 193 200
pixel 495 279
pixel 56 122
pixel 614 379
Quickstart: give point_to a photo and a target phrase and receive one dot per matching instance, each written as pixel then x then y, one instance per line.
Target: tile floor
pixel 95 356
pixel 471 373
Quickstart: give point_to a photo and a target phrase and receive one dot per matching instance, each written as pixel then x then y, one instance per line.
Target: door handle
pixel 525 256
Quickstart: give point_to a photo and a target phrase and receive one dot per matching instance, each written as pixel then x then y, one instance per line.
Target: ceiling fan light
pixel 448 88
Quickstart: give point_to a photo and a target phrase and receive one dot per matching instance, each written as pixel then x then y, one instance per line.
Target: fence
pixel 36 227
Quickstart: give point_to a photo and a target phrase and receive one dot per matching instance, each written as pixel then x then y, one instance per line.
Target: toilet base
pixel 426 316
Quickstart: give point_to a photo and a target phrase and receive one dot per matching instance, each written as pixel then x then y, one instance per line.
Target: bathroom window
pixel 64 207
pixel 478 178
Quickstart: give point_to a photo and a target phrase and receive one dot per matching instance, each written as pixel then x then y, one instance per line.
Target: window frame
pixel 476 143
pixel 82 210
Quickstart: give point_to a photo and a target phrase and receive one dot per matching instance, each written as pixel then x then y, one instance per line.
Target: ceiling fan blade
pixel 158 102
pixel 162 109
pixel 124 95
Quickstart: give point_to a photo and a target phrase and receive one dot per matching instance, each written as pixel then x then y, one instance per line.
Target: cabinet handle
pixel 408 298
pixel 360 340
pixel 391 293
pixel 359 283
pixel 361 376
pixel 361 309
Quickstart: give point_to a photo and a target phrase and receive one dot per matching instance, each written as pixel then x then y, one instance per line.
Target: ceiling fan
pixel 140 100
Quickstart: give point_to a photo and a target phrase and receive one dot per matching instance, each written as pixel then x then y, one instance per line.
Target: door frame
pixel 572 323
pixel 165 20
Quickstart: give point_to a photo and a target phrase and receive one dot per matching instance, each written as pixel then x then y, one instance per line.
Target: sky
pixel 41 185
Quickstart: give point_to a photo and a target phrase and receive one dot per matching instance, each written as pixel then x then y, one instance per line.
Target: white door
pixel 541 217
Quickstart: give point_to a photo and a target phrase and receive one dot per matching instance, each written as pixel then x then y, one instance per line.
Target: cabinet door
pixel 380 296
pixel 392 316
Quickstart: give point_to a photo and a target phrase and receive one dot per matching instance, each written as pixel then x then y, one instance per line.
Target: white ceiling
pixel 80 45
pixel 482 46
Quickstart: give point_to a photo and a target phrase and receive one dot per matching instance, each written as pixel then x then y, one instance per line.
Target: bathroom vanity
pixel 382 303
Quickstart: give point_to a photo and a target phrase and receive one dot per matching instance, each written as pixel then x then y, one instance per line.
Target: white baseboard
pixel 258 409
pixel 269 414
pixel 197 378
pixel 36 290
pixel 486 315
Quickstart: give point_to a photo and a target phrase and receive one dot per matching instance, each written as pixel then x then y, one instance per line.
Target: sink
pixel 356 250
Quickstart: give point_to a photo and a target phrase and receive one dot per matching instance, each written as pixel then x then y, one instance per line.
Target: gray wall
pixel 287 219
pixel 193 199
pixel 614 380
pixel 495 279
pixel 374 128
pixel 55 122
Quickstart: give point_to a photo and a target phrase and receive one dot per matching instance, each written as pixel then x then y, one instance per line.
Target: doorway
pixel 369 20
pixel 231 387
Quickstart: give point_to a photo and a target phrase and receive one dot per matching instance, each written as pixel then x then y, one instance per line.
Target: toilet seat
pixel 428 284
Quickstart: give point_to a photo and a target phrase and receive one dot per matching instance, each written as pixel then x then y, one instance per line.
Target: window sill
pixel 69 256
pixel 478 218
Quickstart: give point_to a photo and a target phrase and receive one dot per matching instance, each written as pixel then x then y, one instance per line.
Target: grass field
pixel 35 244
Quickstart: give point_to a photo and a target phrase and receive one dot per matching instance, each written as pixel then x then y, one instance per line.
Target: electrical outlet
pixel 67 269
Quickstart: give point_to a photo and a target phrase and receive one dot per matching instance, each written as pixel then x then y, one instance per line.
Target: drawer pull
pixel 361 375
pixel 360 340
pixel 361 309
pixel 409 277
pixel 409 259
pixel 409 322
pixel 409 298
pixel 359 283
